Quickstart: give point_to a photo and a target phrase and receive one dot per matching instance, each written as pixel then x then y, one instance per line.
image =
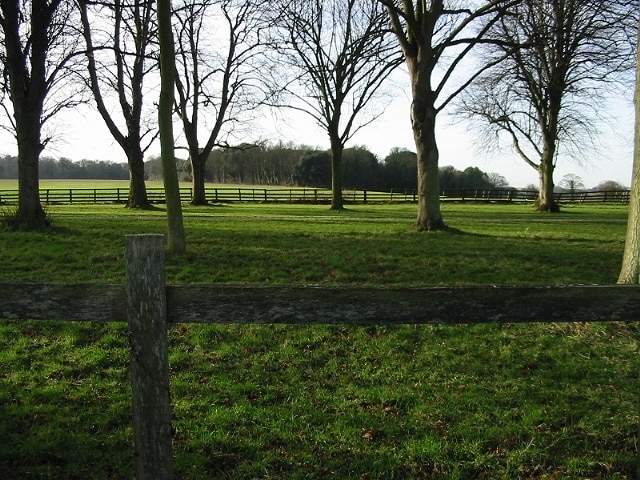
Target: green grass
pixel 485 401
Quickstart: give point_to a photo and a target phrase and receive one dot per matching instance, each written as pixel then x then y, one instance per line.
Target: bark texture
pixel 175 226
pixel 630 271
pixel 546 201
pixel 423 124
pixel 337 149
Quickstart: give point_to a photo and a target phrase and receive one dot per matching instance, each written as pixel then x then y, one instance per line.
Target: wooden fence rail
pixel 149 306
pixel 311 195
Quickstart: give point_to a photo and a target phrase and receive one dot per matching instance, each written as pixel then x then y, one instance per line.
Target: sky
pixel 81 134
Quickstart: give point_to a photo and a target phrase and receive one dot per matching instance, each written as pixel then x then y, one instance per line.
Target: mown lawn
pixel 425 402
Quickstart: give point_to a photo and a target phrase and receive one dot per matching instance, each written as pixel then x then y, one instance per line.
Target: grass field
pixel 288 402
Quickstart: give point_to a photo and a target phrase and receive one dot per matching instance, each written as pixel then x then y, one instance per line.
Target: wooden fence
pixel 311 195
pixel 149 306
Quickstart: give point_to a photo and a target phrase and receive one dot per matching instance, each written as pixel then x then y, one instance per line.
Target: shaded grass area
pixel 457 402
pixel 293 244
pixel 423 402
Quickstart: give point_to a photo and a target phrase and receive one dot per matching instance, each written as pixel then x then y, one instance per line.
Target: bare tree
pixel 436 37
pixel 339 53
pixel 630 270
pixel 219 77
pixel 119 35
pixel 572 182
pixel 549 91
pixel 38 51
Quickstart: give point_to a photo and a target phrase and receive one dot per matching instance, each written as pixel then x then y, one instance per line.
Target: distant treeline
pixel 363 170
pixel 286 165
pixel 51 168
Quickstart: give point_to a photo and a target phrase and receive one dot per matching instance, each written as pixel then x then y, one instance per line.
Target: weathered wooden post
pixel 147 316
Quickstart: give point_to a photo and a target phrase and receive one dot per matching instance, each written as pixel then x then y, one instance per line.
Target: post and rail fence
pixel 149 306
pixel 311 195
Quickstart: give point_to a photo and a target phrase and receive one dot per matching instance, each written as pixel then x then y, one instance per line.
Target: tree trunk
pixel 137 188
pixel 30 215
pixel 198 171
pixel 25 69
pixel 337 202
pixel 546 201
pixel 429 215
pixel 630 271
pixel 176 242
pixel 423 124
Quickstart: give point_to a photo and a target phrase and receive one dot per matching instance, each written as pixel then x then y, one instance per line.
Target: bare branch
pixel 548 91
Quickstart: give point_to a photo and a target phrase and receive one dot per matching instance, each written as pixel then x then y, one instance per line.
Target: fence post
pixel 147 316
